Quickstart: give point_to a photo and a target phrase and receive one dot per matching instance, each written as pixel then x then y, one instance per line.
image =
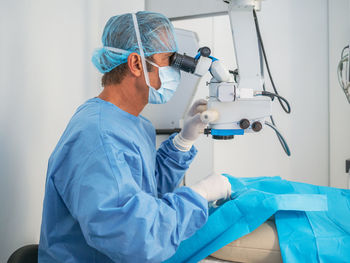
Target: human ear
pixel 135 64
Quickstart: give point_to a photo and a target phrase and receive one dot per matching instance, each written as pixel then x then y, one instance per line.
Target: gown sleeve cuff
pixel 181 157
pixel 194 197
pixel 182 144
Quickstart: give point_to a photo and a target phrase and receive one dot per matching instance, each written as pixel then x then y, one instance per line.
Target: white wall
pixel 296 41
pixel 42 81
pixel 339 37
pixel 45 74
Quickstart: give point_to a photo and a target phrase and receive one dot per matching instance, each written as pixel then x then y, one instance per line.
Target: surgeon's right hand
pixel 213 187
pixel 193 127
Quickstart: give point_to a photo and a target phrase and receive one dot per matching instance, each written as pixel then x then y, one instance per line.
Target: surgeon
pixel 110 195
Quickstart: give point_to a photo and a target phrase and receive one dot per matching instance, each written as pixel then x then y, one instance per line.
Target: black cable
pixel 267 63
pixel 281 140
pixel 342 52
pixel 273 95
pixel 280 137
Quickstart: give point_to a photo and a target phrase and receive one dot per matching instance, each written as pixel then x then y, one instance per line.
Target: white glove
pixel 213 187
pixel 193 126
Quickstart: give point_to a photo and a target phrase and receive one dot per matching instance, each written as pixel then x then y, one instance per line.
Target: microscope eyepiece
pixel 183 62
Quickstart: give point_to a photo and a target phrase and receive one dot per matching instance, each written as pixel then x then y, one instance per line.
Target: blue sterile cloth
pixel 316 236
pixel 313 222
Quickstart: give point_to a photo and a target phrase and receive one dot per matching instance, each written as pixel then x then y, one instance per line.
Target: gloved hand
pixel 193 126
pixel 213 187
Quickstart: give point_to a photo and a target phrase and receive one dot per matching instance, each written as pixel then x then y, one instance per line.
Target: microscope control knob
pixel 244 124
pixel 257 126
pixel 204 51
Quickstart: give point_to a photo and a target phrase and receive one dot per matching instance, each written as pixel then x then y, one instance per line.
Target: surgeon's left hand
pixel 192 128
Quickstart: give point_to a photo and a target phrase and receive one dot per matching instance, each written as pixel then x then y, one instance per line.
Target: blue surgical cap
pixel 119 39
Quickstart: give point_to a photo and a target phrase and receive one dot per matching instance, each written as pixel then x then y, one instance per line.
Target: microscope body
pixel 239 110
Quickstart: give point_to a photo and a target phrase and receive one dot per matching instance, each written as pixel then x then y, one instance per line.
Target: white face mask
pixel 169 76
pixel 170 80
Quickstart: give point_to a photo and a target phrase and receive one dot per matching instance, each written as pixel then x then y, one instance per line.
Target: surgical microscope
pixel 238 100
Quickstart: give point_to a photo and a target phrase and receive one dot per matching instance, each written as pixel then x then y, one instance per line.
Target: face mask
pixel 170 80
pixel 169 76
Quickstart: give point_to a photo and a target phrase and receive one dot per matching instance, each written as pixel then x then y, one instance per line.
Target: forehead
pixel 161 56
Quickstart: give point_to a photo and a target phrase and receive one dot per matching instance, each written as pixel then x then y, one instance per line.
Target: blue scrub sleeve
pixel 171 165
pixel 119 219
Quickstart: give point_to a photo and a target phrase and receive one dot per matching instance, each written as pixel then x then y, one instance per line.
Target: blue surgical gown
pixel 111 197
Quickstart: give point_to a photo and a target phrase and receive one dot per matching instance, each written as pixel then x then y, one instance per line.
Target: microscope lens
pixel 183 62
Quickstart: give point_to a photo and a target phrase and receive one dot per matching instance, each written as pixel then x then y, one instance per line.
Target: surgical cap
pixel 119 39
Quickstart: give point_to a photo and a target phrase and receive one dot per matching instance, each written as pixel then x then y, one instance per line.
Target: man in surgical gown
pixel 110 195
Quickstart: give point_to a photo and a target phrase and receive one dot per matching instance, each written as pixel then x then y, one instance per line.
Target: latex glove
pixel 213 187
pixel 193 126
